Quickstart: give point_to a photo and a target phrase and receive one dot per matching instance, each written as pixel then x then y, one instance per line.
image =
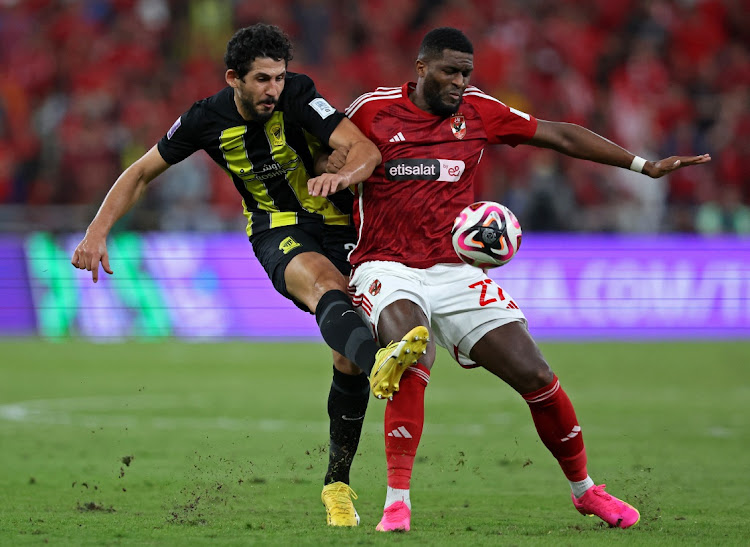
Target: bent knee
pixel 330 281
pixel 309 276
pixel 533 378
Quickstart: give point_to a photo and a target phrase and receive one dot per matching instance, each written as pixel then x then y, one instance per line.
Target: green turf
pixel 225 444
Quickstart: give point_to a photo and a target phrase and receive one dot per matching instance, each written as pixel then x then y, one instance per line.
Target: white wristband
pixel 637 164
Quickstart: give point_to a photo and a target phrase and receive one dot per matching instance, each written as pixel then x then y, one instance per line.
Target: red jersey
pixel 404 212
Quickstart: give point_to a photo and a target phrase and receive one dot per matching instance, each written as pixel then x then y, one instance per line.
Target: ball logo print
pixel 486 234
pixel 489 236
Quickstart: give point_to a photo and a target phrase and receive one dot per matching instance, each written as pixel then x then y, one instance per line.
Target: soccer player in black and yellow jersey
pixel 268 129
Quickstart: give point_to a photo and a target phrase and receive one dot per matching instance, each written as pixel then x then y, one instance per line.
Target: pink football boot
pixel 611 510
pixel 396 518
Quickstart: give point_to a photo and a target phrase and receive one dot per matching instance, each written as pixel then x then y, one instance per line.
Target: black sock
pixel 344 331
pixel 347 403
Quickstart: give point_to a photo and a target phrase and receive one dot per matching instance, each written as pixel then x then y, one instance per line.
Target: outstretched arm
pixel 578 142
pixel 361 160
pixel 125 192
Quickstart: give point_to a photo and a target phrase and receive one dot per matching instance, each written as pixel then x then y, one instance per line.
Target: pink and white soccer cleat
pixel 611 510
pixel 396 518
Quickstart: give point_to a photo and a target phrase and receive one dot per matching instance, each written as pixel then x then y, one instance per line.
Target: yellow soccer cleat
pixel 394 359
pixel 337 497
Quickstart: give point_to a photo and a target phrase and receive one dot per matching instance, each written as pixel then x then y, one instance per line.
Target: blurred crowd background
pixel 87 86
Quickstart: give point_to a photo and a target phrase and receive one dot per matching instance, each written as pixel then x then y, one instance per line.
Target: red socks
pixel 557 425
pixel 404 420
pixel 551 409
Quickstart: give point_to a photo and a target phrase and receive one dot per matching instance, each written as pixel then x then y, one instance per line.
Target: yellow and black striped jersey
pixel 269 162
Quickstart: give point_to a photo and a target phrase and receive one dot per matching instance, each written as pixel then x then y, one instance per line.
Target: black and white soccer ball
pixel 486 234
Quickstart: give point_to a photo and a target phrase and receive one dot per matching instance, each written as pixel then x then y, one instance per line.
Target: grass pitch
pixel 171 443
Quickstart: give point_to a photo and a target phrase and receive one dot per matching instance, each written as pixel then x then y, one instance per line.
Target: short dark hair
pixel 259 40
pixel 442 38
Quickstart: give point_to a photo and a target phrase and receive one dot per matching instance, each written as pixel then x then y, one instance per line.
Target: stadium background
pixel 87 86
pixel 151 440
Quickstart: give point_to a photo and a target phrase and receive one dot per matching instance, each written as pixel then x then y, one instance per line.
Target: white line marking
pixel 99 411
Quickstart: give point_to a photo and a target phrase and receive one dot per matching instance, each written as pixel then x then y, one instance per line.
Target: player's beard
pixel 435 102
pixel 255 114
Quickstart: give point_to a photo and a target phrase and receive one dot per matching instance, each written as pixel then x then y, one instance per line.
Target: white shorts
pixel 461 303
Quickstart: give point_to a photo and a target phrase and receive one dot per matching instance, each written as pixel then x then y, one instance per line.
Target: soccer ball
pixel 486 234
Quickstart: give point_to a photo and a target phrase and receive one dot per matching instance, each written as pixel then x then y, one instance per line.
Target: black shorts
pixel 276 247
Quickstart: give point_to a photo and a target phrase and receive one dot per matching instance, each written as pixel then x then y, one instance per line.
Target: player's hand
pixel 664 167
pixel 336 160
pixel 90 251
pixel 327 184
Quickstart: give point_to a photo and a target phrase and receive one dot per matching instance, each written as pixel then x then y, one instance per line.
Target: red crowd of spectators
pixel 87 86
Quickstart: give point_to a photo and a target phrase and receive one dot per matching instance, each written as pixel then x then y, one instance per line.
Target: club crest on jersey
pixel 375 287
pixel 458 126
pixel 277 135
pixel 288 244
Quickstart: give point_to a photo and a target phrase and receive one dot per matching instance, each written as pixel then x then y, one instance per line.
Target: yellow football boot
pixel 394 359
pixel 337 497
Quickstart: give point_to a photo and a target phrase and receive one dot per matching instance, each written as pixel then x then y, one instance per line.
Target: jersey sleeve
pixel 361 116
pixel 311 109
pixel 182 139
pixel 504 125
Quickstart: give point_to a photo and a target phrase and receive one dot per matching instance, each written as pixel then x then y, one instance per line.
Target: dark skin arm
pixel 578 142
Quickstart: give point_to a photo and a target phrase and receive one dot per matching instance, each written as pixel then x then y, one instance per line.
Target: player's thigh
pixel 338 243
pixel 466 305
pixel 390 298
pixel 295 261
pixel 400 317
pixel 510 353
pixel 309 276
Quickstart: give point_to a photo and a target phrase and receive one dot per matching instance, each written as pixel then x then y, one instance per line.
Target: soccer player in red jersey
pixel 431 135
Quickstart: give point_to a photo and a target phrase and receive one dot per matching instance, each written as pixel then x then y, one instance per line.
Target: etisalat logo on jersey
pixel 424 169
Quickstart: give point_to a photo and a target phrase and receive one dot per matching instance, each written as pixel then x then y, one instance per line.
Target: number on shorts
pixel 483 297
